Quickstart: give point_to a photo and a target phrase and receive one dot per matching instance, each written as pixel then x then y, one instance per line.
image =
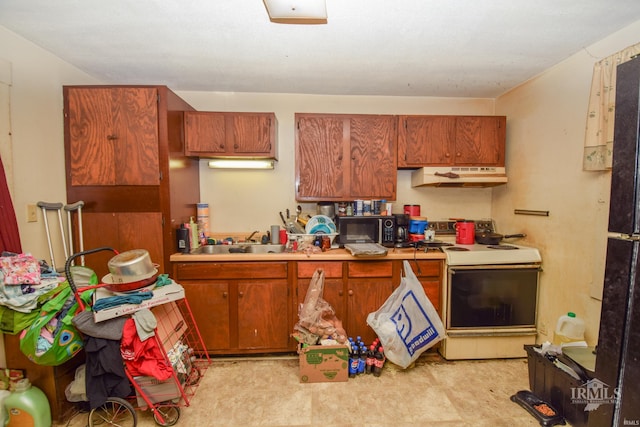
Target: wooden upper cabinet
pixel 220 134
pixel 345 157
pixel 113 136
pixel 451 140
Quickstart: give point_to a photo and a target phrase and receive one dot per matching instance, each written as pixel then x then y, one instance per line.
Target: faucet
pixel 248 239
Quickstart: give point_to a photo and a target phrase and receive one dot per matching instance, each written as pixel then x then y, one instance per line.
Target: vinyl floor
pixel 266 391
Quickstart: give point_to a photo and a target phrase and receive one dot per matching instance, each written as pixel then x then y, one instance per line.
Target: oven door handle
pixel 453 268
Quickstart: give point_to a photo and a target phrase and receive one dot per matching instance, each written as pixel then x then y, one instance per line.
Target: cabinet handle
pixel 235 146
pixel 350 292
pixel 224 295
pixel 240 294
pixel 340 293
pixel 458 154
pixel 222 146
pixel 447 155
pixel 112 137
pixel 255 332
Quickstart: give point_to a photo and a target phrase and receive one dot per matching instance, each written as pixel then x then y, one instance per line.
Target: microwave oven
pixel 367 229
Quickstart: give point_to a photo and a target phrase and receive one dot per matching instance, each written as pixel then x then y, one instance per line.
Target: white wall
pixel 37 134
pixel 241 200
pixel 544 141
pixel 545 128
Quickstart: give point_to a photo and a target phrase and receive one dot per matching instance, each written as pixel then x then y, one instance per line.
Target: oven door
pixel 492 299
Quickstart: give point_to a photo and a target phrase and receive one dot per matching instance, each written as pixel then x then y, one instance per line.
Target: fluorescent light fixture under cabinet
pixel 241 164
pixel 297 11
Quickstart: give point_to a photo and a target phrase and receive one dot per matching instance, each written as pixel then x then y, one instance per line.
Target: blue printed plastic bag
pixel 407 323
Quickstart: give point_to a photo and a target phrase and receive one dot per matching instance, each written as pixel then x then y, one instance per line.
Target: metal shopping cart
pixel 177 336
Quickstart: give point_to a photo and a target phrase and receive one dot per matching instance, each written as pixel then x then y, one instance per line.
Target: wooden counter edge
pixel 330 255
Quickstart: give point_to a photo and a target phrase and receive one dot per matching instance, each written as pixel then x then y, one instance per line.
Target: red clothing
pixel 143 357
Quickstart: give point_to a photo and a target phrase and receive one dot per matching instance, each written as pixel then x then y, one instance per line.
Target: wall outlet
pixel 32 213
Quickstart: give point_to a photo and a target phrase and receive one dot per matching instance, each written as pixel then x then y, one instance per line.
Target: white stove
pixel 489 297
pixel 503 253
pixel 477 254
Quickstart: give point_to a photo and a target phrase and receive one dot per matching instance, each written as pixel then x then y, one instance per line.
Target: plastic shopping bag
pixel 407 323
pixel 52 339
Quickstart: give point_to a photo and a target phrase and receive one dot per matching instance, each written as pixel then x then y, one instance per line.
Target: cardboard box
pixel 324 363
pixel 161 295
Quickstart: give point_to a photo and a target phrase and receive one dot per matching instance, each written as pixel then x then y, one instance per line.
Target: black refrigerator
pixel 618 351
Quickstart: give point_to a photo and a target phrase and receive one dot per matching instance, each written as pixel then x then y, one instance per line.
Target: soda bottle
pixel 363 359
pixel 379 363
pixel 370 359
pixel 354 360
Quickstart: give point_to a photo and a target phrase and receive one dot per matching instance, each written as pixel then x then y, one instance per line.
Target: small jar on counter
pixel 366 207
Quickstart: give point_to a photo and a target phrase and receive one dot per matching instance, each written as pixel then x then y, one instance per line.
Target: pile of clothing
pixel 25 285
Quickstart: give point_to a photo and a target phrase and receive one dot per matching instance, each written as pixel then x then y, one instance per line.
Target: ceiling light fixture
pixel 297 11
pixel 241 164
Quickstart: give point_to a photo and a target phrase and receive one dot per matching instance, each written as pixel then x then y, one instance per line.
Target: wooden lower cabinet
pixel 239 307
pixel 248 308
pixel 369 284
pixel 430 275
pixel 333 291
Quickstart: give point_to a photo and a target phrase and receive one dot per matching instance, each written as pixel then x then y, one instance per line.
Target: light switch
pixel 32 213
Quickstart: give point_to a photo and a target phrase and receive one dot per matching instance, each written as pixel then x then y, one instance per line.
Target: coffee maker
pixel 402 228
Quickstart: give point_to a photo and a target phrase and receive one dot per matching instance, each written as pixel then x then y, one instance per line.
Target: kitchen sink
pixel 265 249
pixel 240 248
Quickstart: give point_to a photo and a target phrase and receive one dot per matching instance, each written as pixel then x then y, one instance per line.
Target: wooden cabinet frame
pixel 217 292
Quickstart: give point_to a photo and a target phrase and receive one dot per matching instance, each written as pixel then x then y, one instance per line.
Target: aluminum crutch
pixel 77 206
pixel 45 206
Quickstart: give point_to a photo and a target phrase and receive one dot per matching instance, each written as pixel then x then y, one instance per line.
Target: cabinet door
pixel 204 132
pixel 121 231
pixel 252 134
pixel 262 314
pixel 209 302
pixel 113 136
pixel 373 154
pixel 429 272
pixel 321 163
pixel 370 284
pixel 480 140
pixel 333 290
pixel 426 140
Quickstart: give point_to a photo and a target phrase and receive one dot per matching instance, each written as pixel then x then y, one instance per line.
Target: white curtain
pixel 598 141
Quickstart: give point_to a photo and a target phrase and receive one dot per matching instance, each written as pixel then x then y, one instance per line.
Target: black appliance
pixel 367 229
pixel 402 228
pixel 618 350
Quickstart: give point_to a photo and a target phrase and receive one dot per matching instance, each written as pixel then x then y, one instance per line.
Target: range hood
pixel 459 176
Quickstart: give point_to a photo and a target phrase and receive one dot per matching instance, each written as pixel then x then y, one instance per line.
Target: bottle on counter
pixel 182 240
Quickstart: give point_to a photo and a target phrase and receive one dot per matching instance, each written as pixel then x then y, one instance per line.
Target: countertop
pixel 330 255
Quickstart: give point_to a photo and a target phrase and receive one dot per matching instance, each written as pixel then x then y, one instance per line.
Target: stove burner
pixel 505 247
pixel 457 248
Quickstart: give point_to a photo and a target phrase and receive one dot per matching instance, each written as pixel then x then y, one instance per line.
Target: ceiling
pixel 448 48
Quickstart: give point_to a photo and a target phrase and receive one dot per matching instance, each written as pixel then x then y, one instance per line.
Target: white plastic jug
pixel 569 328
pixel 27 406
